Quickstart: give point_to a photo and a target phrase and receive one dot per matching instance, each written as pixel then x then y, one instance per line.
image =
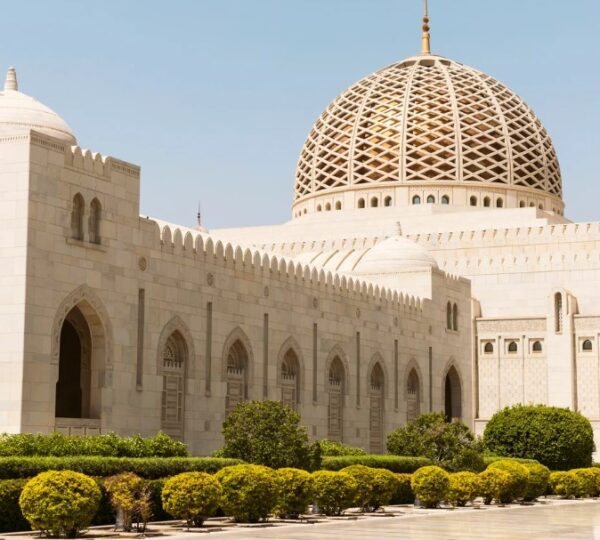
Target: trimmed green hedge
pixel 397 464
pixel 27 467
pixel 11 517
pixel 490 459
pixel 107 444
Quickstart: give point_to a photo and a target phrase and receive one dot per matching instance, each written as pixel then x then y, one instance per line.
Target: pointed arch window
pixel 445 199
pixel 413 398
pixel 237 375
pixel 173 366
pixel 361 203
pixel 455 317
pixel 335 391
pixel 488 348
pixel 416 199
pixel 558 313
pixel 449 316
pixel 77 212
pixel 376 428
pixel 94 223
pixel 290 379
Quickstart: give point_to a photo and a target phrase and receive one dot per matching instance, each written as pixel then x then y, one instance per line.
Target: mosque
pixel 427 266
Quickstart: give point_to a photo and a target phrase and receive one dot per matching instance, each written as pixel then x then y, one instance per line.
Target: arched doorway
pixel 289 379
pixel 73 387
pixel 452 395
pixel 376 410
pixel 174 358
pixel 413 396
pixel 237 375
pixel 335 391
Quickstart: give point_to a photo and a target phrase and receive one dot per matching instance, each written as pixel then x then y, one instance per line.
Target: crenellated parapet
pixel 186 243
pixel 97 164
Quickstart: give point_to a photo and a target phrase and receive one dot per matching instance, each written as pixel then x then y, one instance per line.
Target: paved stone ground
pixel 565 521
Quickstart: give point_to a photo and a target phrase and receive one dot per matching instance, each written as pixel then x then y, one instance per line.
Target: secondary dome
pixel 19 111
pixel 442 131
pixel 394 255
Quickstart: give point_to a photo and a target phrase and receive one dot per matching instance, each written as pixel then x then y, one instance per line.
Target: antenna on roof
pixel 426 38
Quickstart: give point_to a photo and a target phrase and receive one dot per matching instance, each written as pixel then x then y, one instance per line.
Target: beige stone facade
pixel 446 280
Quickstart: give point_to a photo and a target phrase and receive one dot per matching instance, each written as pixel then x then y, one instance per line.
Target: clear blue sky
pixel 214 98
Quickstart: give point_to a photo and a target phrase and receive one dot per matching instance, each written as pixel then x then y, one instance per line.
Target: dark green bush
pixel 109 444
pixel 266 433
pixel 451 445
pixel 404 493
pixel 26 467
pixel 11 517
pixel 397 464
pixel 558 438
pixel 334 448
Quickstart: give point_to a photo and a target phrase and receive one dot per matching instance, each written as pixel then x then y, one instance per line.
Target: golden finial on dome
pixel 425 39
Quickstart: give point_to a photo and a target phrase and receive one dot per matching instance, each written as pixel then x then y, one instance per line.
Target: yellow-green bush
pixel 294 491
pixel 519 476
pixel 192 496
pixel 333 491
pixel 430 485
pixel 375 486
pixel 404 493
pixel 249 492
pixel 537 481
pixel 565 484
pixel 494 484
pixel 586 482
pixel 60 503
pixel 130 494
pixel 464 488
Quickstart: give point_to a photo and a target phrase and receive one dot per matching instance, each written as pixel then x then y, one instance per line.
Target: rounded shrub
pixel 519 476
pixel 333 491
pixel 494 484
pixel 464 488
pixel 60 503
pixel 558 438
pixel 537 481
pixel 192 496
pixel 249 492
pixel 404 493
pixel 375 486
pixel 564 484
pixel 294 491
pixel 586 482
pixel 430 485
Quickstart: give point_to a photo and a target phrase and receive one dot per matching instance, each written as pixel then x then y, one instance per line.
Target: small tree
pixel 451 445
pixel 558 438
pixel 266 433
pixel 130 495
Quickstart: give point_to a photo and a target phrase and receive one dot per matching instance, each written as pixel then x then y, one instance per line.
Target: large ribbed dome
pixel 429 125
pixel 20 112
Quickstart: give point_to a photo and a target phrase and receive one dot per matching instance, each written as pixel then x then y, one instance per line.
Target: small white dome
pixel 394 255
pixel 19 111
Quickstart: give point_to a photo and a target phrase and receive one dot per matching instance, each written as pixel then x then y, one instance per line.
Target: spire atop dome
pixel 426 38
pixel 11 80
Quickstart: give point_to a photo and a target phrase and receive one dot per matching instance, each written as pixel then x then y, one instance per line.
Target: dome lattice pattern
pixel 427 119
